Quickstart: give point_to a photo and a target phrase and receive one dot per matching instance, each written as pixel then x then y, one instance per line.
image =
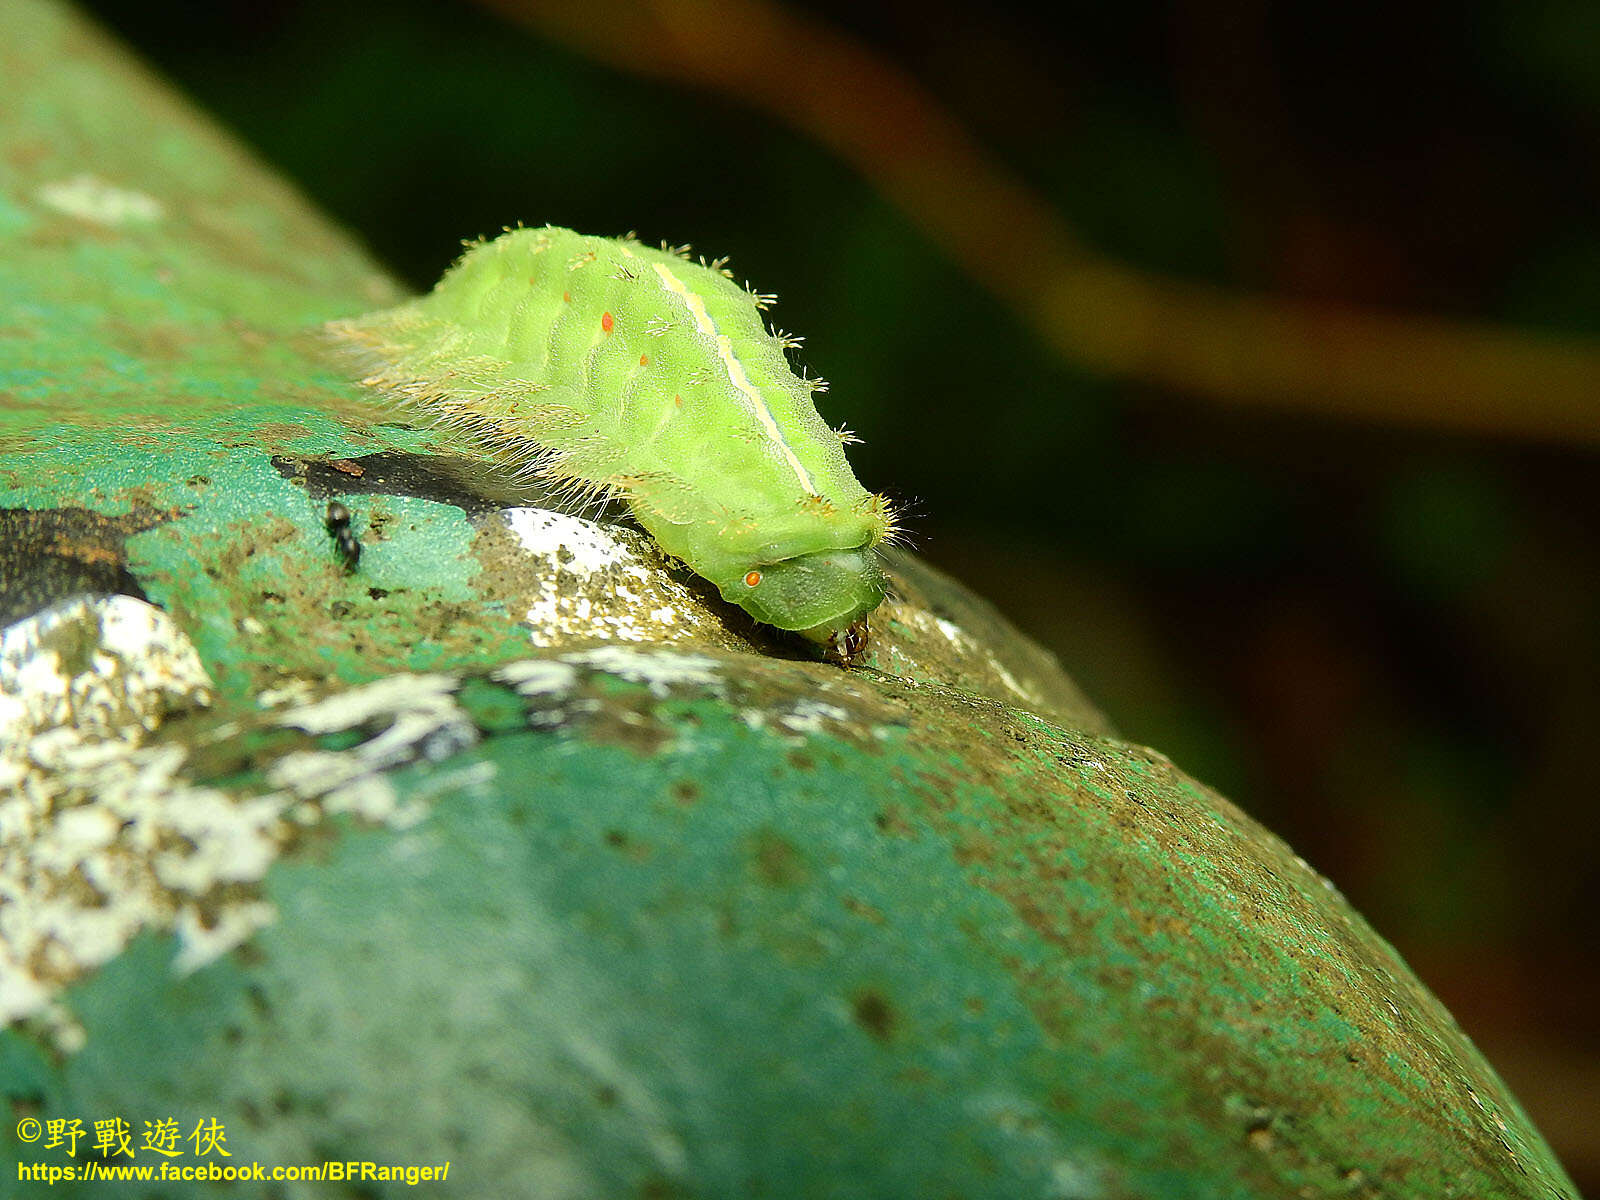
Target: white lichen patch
pixel 104 839
pixel 581 545
pixel 600 582
pixel 538 677
pixel 805 718
pixel 658 670
pixel 92 199
pixel 406 718
pixel 418 714
pixel 99 836
pixel 553 686
pixel 105 667
pixel 837 706
pixel 102 836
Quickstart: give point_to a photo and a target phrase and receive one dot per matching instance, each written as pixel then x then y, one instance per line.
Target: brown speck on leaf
pixel 873 1012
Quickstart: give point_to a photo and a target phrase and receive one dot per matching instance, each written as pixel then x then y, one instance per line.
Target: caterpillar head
pixel 847 646
pixel 824 597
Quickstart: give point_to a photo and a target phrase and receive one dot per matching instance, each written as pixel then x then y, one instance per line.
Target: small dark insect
pixel 338 523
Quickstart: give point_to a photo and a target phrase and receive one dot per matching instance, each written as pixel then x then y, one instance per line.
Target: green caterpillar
pixel 620 370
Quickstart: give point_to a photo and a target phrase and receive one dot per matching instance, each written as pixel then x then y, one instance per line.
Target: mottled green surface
pixel 697 924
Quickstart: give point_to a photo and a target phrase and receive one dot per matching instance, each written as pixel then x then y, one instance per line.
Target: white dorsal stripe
pixel 735 369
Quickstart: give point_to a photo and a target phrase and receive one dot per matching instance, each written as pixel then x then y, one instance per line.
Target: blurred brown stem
pixel 1231 347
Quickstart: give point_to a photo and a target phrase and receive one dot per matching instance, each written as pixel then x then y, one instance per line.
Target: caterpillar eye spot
pixel 606 322
pixel 752 579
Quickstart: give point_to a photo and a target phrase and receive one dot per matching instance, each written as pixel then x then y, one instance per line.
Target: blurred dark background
pixel 1380 638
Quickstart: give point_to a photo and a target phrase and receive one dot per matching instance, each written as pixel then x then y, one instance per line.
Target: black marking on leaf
pixel 47 554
